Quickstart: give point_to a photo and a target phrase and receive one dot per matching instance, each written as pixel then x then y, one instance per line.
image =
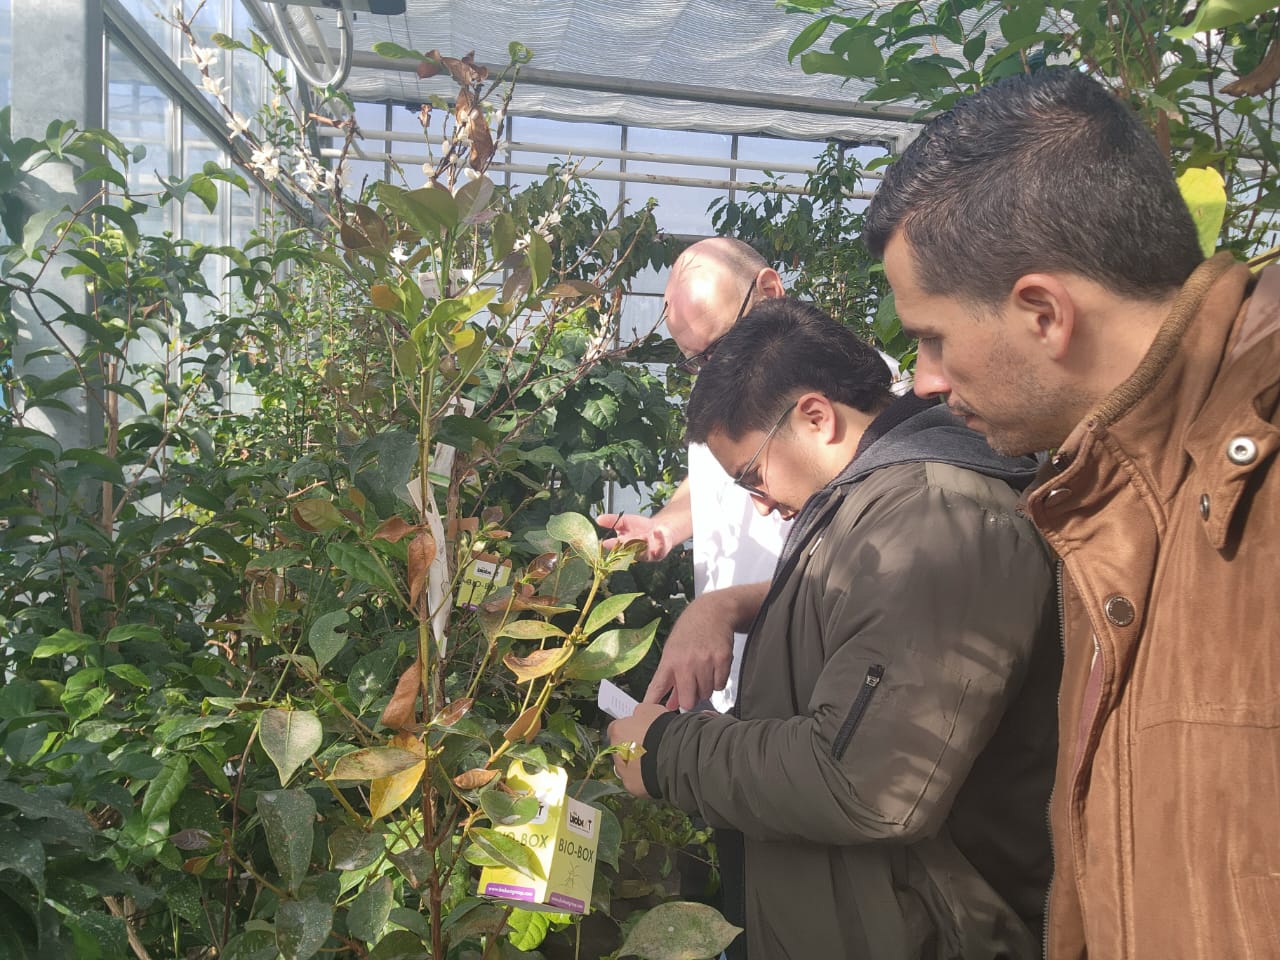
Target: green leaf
pixel 288 820
pixel 163 792
pixel 539 254
pixel 321 514
pixel 612 653
pixel 507 851
pixel 135 631
pixel 130 674
pixel 503 809
pixel 1205 194
pixel 679 931
pixel 360 564
pixel 601 412
pixel 369 676
pixel 324 637
pixel 860 50
pixel 302 926
pixel 252 945
pixel 975 46
pixel 1022 20
pixel 607 609
pixel 473 198
pixel 399 945
pixel 128 226
pixel 430 210
pixel 502 236
pixel 529 928
pixel 22 853
pixel 1213 14
pixel 290 738
pixel 577 531
pixel 63 642
pixel 448 314
pixel 373 763
pixel 367 914
pixel 353 849
pixel 530 630
pixel 393 51
pixel 807 37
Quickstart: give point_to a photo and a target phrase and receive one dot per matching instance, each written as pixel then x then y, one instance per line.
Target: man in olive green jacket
pixel 888 765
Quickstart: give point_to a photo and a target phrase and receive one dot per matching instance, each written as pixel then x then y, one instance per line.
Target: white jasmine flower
pixel 203 57
pixel 212 84
pixel 399 254
pixel 266 160
pixel 237 125
pixel 305 174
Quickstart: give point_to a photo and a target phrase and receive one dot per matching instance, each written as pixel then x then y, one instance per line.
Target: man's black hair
pixel 1037 173
pixel 781 349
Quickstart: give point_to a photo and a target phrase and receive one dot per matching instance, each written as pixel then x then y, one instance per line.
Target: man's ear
pixel 1046 310
pixel 769 284
pixel 817 414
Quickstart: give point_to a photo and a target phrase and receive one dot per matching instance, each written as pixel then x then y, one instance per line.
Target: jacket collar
pixel 1175 408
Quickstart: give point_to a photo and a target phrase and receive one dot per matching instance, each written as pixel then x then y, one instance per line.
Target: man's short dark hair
pixel 1037 173
pixel 781 349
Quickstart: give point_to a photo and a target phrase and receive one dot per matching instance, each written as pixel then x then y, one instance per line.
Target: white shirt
pixel 732 543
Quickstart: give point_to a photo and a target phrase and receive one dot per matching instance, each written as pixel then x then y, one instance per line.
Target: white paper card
pixel 614 701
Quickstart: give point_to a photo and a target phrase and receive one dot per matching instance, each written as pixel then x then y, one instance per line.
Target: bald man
pixel 713 284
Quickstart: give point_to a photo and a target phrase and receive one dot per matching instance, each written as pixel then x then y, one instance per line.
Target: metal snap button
pixel 1242 451
pixel 1056 496
pixel 1204 506
pixel 1119 611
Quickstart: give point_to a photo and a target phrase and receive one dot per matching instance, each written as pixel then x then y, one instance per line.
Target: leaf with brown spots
pixel 539 663
pixel 453 712
pixel 399 712
pixel 542 565
pixel 422 550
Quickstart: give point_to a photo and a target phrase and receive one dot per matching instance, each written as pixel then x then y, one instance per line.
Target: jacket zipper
pixel 1048 810
pixel 875 673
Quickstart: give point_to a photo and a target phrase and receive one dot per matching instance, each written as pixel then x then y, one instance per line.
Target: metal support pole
pixel 45 88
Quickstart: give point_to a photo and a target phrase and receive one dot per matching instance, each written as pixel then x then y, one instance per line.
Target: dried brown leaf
pixel 453 712
pixel 474 779
pixel 526 726
pixel 422 550
pixel 393 530
pixel 399 712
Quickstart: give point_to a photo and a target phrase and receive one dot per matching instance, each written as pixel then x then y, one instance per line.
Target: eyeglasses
pixel 751 488
pixel 694 363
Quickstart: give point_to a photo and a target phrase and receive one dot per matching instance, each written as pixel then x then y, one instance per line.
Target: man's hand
pixel 633 729
pixel 628 527
pixel 698 654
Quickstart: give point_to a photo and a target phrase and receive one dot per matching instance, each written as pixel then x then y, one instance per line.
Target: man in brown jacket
pixel 1039 249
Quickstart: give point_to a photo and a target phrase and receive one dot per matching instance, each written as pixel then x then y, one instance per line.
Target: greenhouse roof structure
pixel 710 65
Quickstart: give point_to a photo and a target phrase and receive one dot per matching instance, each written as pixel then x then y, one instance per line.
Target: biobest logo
pixel 582 820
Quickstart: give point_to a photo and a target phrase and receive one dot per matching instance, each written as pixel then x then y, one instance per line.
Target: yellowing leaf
pixel 1206 197
pixel 388 793
pixel 383 297
pixel 372 763
pixel 539 663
